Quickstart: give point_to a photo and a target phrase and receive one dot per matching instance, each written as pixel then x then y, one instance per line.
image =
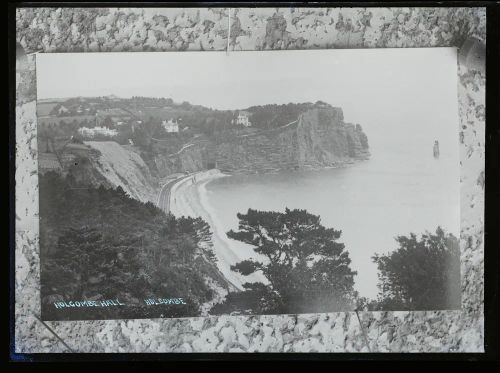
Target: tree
pixel 99 243
pixel 108 122
pixel 422 274
pixel 44 137
pixel 273 115
pixel 307 270
pixel 95 265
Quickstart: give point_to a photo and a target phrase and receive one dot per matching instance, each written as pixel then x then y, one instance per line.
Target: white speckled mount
pixel 133 29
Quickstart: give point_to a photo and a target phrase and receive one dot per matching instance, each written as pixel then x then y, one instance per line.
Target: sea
pixel 401 189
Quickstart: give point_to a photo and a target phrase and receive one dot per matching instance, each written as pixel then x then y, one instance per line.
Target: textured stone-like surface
pixel 299 28
pixel 72 30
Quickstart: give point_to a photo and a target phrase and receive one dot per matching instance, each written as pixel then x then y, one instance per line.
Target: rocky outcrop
pixel 123 167
pixel 319 138
pixel 191 158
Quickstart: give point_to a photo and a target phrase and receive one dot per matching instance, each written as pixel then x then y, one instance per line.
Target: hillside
pixel 99 244
pixel 125 168
pixel 280 137
pixel 101 235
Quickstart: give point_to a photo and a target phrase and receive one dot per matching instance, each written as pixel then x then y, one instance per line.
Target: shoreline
pixel 188 197
pixel 342 164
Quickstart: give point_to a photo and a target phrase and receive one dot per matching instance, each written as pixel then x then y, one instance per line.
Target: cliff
pixel 192 157
pixel 318 138
pixel 105 163
pixel 80 161
pixel 123 167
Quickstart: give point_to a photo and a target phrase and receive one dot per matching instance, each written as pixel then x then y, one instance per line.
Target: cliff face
pixel 191 158
pixel 123 167
pixel 324 139
pixel 105 163
pixel 319 138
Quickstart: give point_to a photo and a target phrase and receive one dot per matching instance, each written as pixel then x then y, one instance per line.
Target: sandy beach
pixel 188 197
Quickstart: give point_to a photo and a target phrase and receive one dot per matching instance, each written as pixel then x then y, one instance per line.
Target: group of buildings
pixel 108 121
pixel 171 125
pixel 118 117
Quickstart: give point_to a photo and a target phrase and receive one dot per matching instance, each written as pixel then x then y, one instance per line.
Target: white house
pixel 171 126
pixel 93 132
pixel 242 119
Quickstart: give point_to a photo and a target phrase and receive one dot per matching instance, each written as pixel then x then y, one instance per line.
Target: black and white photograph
pixel 192 184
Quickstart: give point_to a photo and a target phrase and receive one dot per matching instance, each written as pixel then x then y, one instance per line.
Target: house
pixel 171 126
pixel 93 132
pixel 62 110
pixel 242 119
pixel 118 121
pixel 134 124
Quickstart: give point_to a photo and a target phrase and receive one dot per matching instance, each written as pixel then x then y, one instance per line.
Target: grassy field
pixel 43 109
pixel 58 120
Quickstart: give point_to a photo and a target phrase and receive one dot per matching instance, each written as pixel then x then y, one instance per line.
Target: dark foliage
pixel 422 274
pixel 306 269
pixel 98 243
pixel 272 116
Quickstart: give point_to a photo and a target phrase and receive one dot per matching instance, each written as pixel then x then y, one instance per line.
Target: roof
pixel 170 123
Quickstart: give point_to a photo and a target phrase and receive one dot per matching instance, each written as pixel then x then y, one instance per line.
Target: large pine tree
pixel 306 268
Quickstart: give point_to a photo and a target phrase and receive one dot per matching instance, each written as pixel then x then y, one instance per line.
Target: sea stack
pixel 436 149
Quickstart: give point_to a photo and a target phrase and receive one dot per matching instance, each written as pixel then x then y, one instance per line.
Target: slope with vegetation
pixel 98 243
